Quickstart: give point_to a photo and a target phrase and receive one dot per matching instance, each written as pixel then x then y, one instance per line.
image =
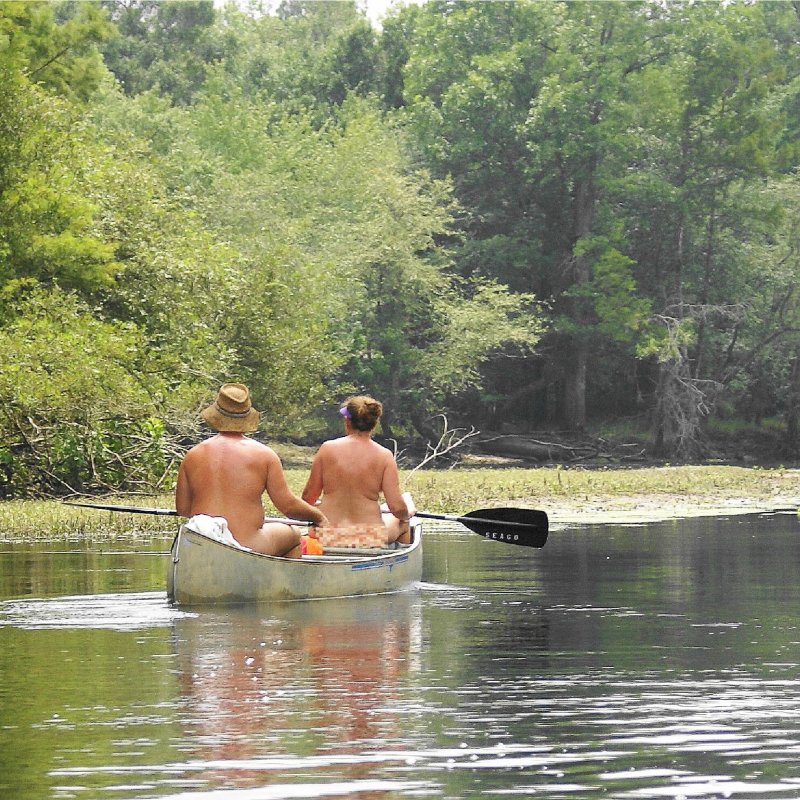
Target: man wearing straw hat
pixel 227 475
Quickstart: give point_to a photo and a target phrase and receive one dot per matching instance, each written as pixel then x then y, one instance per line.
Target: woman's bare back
pixel 351 474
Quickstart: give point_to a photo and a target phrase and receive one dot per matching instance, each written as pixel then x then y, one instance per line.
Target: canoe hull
pixel 204 571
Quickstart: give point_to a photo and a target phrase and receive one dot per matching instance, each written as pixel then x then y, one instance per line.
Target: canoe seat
pixel 355 551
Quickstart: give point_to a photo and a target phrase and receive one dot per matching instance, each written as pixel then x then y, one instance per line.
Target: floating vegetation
pixel 27 520
pixel 443 491
pixel 559 486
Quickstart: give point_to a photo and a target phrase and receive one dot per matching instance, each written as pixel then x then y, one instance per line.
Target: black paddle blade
pixel 523 526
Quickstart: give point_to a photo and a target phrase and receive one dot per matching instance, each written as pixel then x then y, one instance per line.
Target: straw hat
pixel 232 410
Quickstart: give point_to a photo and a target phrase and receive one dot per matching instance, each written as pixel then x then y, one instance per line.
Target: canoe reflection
pixel 260 685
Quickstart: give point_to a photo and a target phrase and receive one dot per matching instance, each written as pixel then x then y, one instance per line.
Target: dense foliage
pixel 519 214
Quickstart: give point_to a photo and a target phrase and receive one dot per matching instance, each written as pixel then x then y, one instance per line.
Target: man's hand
pixel 321 523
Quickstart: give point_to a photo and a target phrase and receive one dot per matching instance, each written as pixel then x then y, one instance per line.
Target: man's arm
pixel 285 500
pixel 183 492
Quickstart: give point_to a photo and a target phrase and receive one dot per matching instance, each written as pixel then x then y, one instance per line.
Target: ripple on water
pixel 288 791
pixel 124 611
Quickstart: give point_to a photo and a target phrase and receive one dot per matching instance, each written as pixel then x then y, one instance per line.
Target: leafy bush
pixel 82 401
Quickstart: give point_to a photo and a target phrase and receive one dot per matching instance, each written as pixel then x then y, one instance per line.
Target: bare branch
pixel 448 441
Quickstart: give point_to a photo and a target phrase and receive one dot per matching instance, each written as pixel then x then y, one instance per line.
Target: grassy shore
pixel 570 496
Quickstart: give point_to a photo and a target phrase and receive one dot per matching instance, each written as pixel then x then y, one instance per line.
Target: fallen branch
pixel 449 440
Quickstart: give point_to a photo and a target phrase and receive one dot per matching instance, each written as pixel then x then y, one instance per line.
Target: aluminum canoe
pixel 203 571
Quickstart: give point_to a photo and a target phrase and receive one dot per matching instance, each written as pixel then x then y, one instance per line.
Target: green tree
pixel 48 227
pixel 605 150
pixel 55 45
pixel 342 283
pixel 308 55
pixel 526 105
pixel 717 139
pixel 333 276
pixel 106 281
pixel 81 408
pixel 162 45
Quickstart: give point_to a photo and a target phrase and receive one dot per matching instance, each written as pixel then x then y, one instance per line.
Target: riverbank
pixel 569 496
pixel 680 492
pixel 640 510
pixel 583 496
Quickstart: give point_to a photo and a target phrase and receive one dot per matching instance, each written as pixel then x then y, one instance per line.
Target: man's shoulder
pixel 226 445
pixel 196 449
pixel 260 450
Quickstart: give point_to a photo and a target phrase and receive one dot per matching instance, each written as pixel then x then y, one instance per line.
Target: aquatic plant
pixel 449 491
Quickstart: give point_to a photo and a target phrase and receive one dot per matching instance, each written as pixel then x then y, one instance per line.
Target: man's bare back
pixel 226 476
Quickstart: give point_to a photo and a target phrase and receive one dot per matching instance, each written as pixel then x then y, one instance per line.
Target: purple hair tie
pixel 345 412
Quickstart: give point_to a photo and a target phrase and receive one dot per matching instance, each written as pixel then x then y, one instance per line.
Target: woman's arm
pixel 390 488
pixel 313 488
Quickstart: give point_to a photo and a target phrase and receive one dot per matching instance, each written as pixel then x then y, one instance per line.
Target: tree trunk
pixel 792 414
pixel 575 388
pixel 681 406
pixel 584 200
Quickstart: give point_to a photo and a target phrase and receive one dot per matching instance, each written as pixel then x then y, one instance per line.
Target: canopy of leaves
pixel 608 149
pixel 459 213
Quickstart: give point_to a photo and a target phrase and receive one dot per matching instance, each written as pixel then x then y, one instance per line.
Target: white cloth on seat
pixel 214 527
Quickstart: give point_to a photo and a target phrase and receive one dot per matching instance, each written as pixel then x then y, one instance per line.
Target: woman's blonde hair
pixel 363 412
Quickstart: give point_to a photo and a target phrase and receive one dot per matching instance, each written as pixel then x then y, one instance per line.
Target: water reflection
pixel 318 678
pixel 85 568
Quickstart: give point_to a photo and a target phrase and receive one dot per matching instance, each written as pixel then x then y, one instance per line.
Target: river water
pixel 648 661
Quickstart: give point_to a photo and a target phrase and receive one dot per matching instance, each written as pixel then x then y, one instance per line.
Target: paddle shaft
pixel 490 523
pixel 467 520
pixel 168 512
pixel 162 512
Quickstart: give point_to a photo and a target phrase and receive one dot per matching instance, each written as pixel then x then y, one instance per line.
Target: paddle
pixel 164 512
pixel 523 526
